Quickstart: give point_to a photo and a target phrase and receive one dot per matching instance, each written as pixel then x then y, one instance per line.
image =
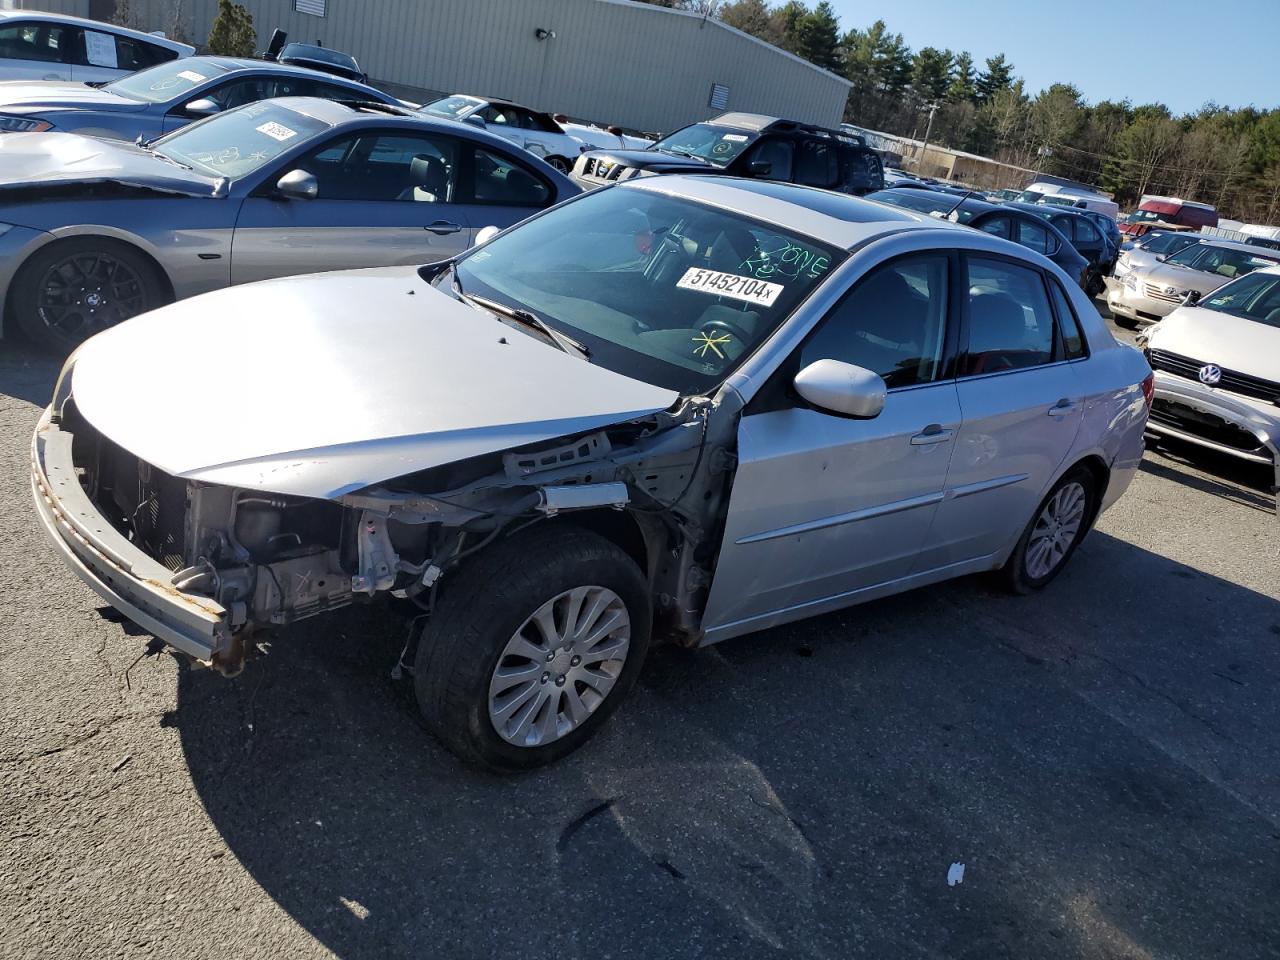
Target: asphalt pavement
pixel 1102 759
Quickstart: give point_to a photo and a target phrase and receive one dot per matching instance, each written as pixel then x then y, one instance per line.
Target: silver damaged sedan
pixel 93 232
pixel 680 409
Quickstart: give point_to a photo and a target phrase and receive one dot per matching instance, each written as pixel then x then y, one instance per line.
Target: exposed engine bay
pixel 657 486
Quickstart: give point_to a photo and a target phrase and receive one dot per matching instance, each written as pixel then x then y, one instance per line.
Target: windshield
pixel 167 81
pixel 238 142
pixel 1223 261
pixel 1167 242
pixel 715 144
pixel 1256 297
pixel 926 201
pixel 1148 216
pixel 452 107
pixel 658 288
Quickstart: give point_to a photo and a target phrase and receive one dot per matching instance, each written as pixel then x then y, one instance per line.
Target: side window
pixel 1086 232
pixel 499 116
pixel 1035 237
pixel 860 170
pixel 45 42
pixel 1072 338
pixel 996 226
pixel 817 163
pixel 332 91
pixel 131 54
pixel 892 323
pixel 776 152
pixel 385 167
pixel 235 93
pixel 1010 322
pixel 501 180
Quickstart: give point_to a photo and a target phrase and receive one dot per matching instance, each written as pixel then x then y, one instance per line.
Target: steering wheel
pixel 714 328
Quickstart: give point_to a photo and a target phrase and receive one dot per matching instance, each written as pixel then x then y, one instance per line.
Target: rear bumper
pixel 1216 420
pixel 120 573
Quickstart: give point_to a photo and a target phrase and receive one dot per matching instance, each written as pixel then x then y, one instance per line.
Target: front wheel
pixel 72 289
pixel 1059 524
pixel 532 646
pixel 559 163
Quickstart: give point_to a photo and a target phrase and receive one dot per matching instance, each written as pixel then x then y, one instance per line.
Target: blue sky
pixel 1224 51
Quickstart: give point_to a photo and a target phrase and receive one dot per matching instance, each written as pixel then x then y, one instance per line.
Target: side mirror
pixel 842 388
pixel 759 168
pixel 486 234
pixel 298 185
pixel 1192 298
pixel 204 107
pixel 1160 257
pixel 476 121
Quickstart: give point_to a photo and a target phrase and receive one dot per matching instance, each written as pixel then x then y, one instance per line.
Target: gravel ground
pixel 1102 758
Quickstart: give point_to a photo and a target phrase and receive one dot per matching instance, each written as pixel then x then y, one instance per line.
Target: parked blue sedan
pixel 157 101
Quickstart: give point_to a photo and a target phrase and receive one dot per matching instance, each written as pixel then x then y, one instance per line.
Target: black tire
pixel 482 607
pixel 124 280
pixel 1127 323
pixel 560 164
pixel 1015 573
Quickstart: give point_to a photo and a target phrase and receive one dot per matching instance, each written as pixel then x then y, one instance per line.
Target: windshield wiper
pixel 529 319
pixel 679 153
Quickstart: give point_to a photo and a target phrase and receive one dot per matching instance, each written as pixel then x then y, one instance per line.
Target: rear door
pixel 1022 405
pixel 824 506
pixel 386 197
pixel 36 50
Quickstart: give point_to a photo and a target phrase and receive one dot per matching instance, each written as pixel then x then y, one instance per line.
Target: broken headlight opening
pixel 270 560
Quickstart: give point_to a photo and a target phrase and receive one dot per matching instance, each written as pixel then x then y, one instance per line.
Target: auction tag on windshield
pixel 276 131
pixel 747 289
pixel 192 76
pixel 734 138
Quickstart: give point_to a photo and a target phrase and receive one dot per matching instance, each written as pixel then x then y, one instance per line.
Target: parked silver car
pixel 51 46
pixel 93 231
pixel 153 102
pixel 686 408
pixel 1217 368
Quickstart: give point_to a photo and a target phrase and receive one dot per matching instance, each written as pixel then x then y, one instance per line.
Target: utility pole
pixel 933 108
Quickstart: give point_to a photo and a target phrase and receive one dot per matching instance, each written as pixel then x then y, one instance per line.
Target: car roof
pixel 235 64
pixel 1237 245
pixel 97 25
pixel 836 218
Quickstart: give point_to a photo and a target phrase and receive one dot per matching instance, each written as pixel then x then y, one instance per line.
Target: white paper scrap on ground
pixel 955 874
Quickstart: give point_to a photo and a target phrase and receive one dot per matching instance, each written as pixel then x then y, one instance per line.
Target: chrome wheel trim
pixel 558 668
pixel 1055 530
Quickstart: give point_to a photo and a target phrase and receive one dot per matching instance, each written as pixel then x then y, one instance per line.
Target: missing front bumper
pixel 120 573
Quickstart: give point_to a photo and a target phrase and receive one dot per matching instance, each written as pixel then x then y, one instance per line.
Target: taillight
pixel 1149 389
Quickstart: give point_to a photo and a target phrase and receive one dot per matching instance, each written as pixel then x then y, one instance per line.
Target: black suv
pixel 746 145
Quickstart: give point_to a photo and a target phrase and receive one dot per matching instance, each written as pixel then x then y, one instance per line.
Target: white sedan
pixel 680 409
pixel 50 46
pixel 533 130
pixel 1217 368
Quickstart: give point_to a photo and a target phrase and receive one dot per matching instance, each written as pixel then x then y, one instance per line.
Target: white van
pixel 1078 197
pixel 49 46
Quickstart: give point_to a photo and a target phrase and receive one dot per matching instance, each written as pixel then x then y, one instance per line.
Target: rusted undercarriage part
pixel 656 486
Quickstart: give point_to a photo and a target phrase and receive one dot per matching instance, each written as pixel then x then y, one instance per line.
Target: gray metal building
pixel 614 61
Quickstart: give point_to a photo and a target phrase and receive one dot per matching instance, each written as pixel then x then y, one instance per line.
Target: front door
pixel 823 505
pixel 1022 405
pixel 385 199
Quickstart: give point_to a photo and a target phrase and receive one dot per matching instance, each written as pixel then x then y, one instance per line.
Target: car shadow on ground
pixel 26 373
pixel 1112 786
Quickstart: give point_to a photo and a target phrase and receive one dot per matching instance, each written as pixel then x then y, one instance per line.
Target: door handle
pixel 1062 407
pixel 443 227
pixel 933 433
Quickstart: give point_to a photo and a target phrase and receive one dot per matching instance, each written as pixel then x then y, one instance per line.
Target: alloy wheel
pixel 1055 530
pixel 559 667
pixel 85 293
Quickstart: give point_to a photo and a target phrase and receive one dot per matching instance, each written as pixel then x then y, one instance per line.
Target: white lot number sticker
pixel 747 289
pixel 192 76
pixel 734 138
pixel 276 131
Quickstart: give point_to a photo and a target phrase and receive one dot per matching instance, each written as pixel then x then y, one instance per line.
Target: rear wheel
pixel 1059 524
pixel 532 646
pixel 559 163
pixel 70 290
pixel 1128 323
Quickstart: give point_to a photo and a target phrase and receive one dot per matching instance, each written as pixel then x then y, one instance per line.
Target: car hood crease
pixel 322 385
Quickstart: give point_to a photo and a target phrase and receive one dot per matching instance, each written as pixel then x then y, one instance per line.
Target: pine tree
pixel 998 76
pixel 232 33
pixel 962 88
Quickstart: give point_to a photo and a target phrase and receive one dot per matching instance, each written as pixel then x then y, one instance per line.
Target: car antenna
pixel 967 195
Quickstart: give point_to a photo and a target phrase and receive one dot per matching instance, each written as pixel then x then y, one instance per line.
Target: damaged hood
pixel 317 386
pixel 30 159
pixel 1212 336
pixel 42 96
